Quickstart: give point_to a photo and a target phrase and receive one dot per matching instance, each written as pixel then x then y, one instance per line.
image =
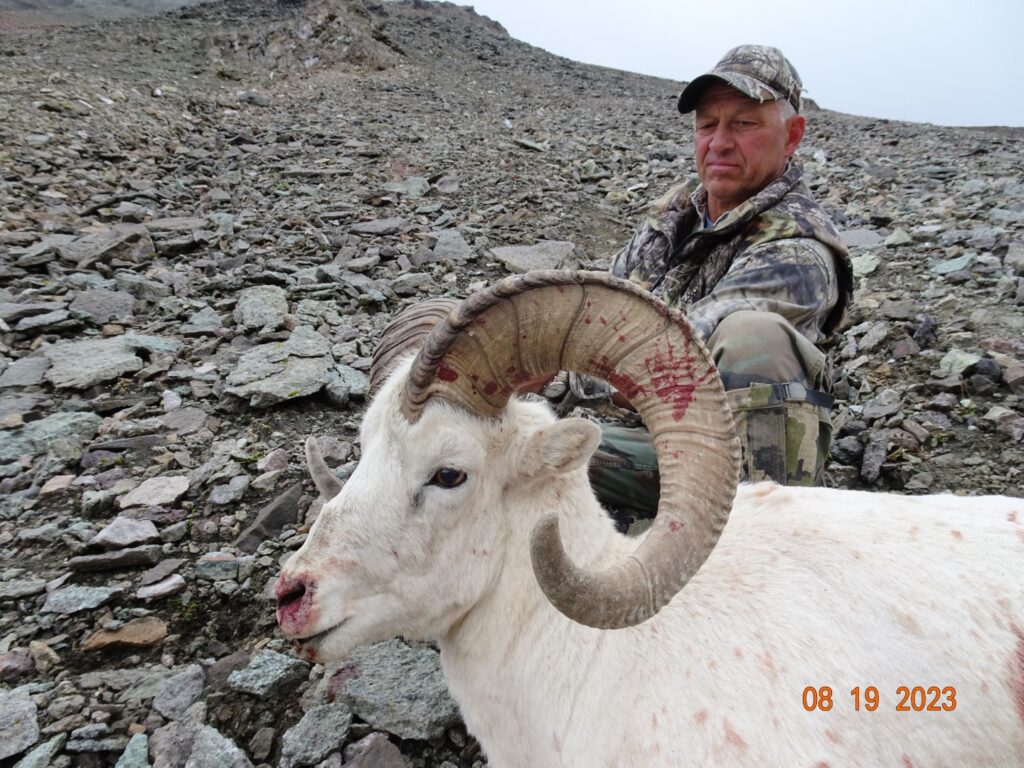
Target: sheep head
pixel 469 366
pixel 412 540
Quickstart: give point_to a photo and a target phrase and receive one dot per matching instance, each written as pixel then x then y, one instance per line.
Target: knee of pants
pixel 764 347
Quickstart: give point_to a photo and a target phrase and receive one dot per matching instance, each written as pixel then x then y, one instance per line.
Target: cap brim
pixel 746 85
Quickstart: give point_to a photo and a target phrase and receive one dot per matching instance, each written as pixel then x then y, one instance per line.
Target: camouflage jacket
pixel 776 252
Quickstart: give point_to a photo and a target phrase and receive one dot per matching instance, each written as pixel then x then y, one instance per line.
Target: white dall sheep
pixel 452 529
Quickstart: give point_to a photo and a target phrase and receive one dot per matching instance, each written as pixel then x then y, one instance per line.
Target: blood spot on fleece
pixel 1017 673
pixel 905 762
pixel 732 737
pixel 700 717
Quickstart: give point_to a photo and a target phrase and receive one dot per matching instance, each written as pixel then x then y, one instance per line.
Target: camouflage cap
pixel 759 71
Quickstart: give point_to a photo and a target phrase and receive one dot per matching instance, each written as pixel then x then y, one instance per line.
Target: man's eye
pixel 447 477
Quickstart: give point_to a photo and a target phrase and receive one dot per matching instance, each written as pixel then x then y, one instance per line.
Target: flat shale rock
pixel 82 364
pixel 125 532
pixel 156 492
pixel 25 372
pixel 392 226
pixel 322 730
pixel 76 599
pixel 43 755
pixel 180 692
pixel 101 305
pixel 262 306
pixel 547 254
pixel 273 373
pixel 19 729
pixel 130 557
pixel 269 674
pixel 397 688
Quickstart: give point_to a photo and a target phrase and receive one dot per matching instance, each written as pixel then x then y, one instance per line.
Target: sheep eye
pixel 447 477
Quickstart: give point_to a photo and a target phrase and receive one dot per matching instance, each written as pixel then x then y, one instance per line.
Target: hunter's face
pixel 742 145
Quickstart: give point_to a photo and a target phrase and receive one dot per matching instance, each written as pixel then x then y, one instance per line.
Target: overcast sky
pixel 937 61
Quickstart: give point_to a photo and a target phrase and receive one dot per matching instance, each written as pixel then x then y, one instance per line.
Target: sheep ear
pixel 560 447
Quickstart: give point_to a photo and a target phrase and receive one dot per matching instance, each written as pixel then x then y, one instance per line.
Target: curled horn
pixel 590 322
pixel 324 480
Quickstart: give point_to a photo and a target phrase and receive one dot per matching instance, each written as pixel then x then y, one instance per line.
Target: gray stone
pixel 43 755
pixel 956 361
pixel 232 492
pixel 18 727
pixel 1014 259
pixel 897 238
pixel 37 322
pixel 130 557
pixel 102 306
pixel 875 453
pixel 38 436
pixel 864 265
pixel 142 288
pixel 172 585
pixel 860 238
pixel 180 692
pixel 14 664
pixel 82 364
pixel 392 226
pixel 410 283
pixel 276 459
pixel 161 571
pixel 161 491
pixel 211 749
pixel 885 404
pixel 547 254
pixel 127 242
pixel 25 372
pixel 171 745
pixel 136 753
pixel 271 520
pixel 185 421
pixel 948 266
pixel 322 730
pixel 69 600
pixel 451 246
pixel 413 187
pixel 11 313
pixel 12 590
pixel 346 382
pixel 125 532
pixel 262 306
pixel 203 322
pixel 217 566
pixel 273 373
pixel 269 674
pixel 379 753
pixel 399 689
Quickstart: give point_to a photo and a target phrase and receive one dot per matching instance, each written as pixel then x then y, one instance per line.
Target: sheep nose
pixel 289 592
pixel 294 596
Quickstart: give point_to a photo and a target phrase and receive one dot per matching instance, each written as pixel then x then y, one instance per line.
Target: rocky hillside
pixel 206 218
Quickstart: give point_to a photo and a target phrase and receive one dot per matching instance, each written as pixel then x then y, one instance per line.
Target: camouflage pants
pixel 771 374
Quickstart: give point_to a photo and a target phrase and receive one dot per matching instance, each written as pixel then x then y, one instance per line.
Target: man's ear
pixel 795 127
pixel 559 448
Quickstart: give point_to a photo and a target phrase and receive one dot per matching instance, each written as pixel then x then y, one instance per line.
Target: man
pixel 758 268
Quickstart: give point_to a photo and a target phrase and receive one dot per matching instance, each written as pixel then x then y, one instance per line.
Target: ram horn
pixel 531 325
pixel 324 480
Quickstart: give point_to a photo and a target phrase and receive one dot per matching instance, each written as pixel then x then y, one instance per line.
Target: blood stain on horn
pixel 444 373
pixel 674 379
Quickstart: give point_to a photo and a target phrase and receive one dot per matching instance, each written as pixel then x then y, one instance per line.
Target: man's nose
pixel 721 139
